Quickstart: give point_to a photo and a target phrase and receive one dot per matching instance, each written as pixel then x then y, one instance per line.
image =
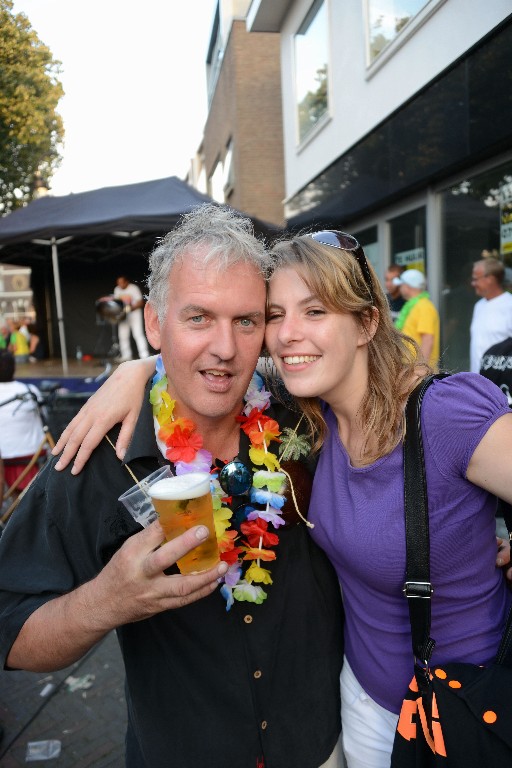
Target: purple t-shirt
pixel 363 533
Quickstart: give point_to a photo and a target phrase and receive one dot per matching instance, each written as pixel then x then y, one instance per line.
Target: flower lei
pixel 184 447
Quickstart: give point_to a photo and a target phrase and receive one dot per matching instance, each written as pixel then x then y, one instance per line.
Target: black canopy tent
pixel 90 238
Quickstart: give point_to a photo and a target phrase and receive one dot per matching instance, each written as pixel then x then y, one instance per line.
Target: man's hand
pixel 136 575
pixel 131 587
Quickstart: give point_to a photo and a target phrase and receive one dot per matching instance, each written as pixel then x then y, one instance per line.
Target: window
pixel 228 170
pixel 222 180
pixel 214 56
pixel 216 183
pixel 311 44
pixel 386 18
pixel 408 240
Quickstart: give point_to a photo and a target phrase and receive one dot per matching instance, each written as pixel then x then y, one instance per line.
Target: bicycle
pixel 47 440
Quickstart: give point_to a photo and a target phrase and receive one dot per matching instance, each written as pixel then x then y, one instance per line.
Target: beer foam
pixel 188 486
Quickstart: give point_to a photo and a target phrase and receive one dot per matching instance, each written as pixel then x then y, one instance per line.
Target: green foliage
pixel 30 128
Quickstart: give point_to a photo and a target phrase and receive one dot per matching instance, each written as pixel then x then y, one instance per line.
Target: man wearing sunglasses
pixel 243 673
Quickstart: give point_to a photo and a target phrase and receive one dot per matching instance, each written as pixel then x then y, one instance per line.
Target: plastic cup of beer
pixel 182 502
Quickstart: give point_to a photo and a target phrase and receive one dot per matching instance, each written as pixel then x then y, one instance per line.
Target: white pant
pixel 368 729
pixel 134 323
pixel 336 759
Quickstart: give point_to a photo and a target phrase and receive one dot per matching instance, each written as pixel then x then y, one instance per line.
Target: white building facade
pixel 397 123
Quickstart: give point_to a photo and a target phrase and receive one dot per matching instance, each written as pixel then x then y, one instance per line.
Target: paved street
pixel 89 721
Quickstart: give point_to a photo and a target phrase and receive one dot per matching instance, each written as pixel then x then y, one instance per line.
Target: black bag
pixel 455 715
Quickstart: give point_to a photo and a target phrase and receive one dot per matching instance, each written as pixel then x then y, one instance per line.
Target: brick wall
pixel 246 108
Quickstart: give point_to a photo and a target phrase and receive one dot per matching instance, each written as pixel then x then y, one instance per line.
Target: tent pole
pixel 58 301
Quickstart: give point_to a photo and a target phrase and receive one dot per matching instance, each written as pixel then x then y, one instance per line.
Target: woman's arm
pixel 491 463
pixel 119 399
pixel 59 632
pixel 490 468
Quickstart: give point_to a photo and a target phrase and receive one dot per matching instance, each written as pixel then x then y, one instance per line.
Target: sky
pixel 134 76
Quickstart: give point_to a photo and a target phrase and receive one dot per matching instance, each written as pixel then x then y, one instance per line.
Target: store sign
pixel 506 219
pixel 413 259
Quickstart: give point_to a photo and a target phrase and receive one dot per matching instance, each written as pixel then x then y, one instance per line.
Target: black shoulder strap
pixel 418 588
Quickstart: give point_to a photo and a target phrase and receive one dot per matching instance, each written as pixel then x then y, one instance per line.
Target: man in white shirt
pixel 21 428
pixel 131 296
pixel 492 314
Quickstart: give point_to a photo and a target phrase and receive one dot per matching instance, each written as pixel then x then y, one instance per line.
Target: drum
pixel 110 309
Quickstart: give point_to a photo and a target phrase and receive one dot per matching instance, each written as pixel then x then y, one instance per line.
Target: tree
pixel 31 130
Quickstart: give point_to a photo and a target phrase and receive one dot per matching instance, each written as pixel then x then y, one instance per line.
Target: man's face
pixel 122 282
pixel 482 283
pixel 392 290
pixel 406 291
pixel 211 337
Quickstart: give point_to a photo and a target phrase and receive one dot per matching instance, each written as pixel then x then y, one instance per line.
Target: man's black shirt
pixel 204 687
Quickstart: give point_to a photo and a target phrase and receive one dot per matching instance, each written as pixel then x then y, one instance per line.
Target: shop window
pixel 408 240
pixel 476 221
pixel 311 71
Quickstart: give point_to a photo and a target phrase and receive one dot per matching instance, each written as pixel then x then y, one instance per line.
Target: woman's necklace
pixel 243 534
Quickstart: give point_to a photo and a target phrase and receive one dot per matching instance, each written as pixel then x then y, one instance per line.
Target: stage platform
pixel 65 394
pixel 78 370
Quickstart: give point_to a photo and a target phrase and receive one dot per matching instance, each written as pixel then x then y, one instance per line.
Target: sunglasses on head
pixel 346 242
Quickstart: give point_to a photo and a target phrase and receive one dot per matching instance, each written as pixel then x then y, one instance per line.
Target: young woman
pixel 333 343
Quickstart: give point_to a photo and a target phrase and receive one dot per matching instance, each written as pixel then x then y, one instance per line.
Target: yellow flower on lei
pixel 256 573
pixel 166 408
pixel 259 456
pixel 222 519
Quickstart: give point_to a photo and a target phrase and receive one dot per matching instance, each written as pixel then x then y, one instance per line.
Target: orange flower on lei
pixel 183 445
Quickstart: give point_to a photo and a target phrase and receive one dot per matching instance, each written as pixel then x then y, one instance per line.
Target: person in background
pixel 24 328
pixel 18 343
pixel 419 318
pixel 133 323
pixel 492 313
pixel 21 429
pixel 5 333
pixel 496 366
pixel 395 299
pixel 36 348
pixel 245 674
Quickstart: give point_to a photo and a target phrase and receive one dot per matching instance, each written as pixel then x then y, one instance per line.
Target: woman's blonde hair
pixel 335 277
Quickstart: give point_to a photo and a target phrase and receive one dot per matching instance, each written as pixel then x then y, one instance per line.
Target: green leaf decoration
pixel 293 446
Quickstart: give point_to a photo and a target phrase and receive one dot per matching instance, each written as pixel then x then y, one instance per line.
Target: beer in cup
pixel 182 502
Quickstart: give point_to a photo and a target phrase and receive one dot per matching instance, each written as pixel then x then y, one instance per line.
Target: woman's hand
pixel 119 399
pixel 503 557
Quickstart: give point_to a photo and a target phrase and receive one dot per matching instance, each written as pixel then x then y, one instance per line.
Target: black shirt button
pixel 263 724
pixel 257 674
pixel 248 619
